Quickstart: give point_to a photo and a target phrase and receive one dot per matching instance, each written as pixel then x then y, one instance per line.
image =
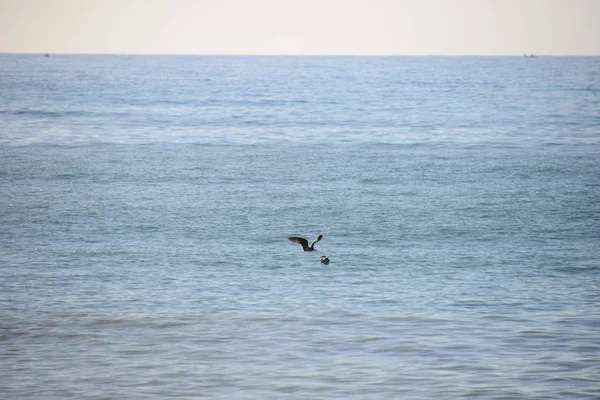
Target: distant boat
pixel 46 55
pixel 529 56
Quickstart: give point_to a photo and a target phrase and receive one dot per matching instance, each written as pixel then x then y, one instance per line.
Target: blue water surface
pixel 147 200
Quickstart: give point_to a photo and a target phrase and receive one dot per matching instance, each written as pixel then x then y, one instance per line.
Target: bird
pixel 304 242
pixel 324 260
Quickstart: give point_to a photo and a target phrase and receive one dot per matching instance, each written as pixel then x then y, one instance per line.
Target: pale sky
pixel 369 27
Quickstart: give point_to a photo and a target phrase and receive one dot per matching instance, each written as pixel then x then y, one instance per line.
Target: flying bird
pixel 304 242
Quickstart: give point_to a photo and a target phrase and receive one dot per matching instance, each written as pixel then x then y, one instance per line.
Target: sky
pixel 346 27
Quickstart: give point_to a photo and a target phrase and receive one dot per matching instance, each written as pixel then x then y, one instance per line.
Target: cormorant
pixel 304 242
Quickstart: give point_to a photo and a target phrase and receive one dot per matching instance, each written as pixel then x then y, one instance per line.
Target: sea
pixel 146 204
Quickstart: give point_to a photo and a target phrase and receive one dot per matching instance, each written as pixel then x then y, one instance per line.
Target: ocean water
pixel 146 203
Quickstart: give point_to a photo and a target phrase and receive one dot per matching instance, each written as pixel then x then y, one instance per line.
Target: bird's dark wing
pixel 316 240
pixel 299 240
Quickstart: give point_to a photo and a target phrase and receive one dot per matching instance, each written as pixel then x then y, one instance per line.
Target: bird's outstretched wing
pixel 316 240
pixel 299 240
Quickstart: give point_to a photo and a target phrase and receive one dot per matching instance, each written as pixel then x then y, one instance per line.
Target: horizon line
pixel 297 54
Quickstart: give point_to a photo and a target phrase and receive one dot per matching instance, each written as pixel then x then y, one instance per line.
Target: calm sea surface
pixel 145 204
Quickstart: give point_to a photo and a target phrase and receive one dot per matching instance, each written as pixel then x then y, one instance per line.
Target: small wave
pixel 43 113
